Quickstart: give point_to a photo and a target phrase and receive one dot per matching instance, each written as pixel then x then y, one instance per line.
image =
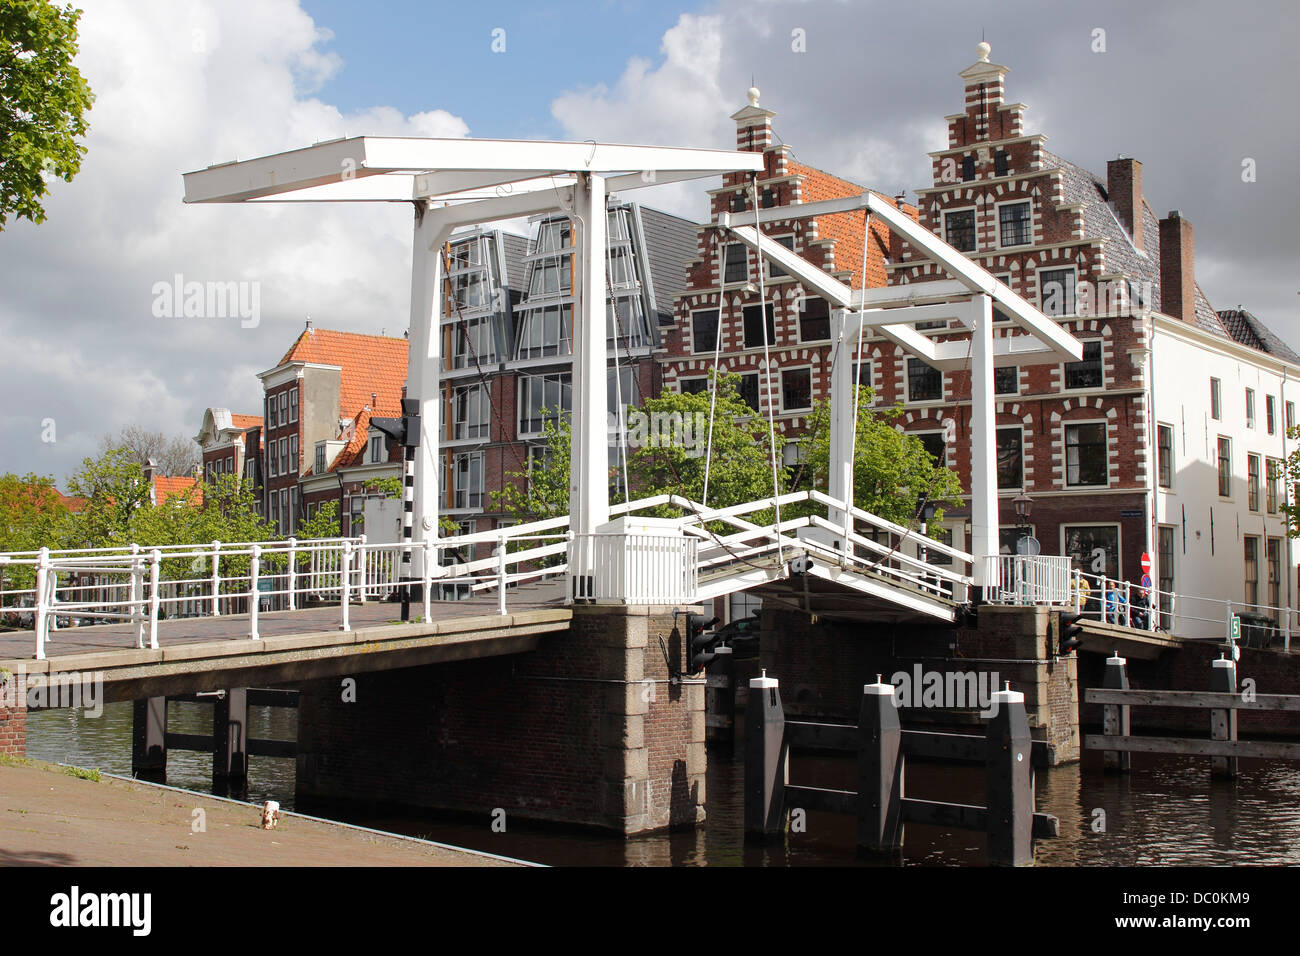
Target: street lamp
pixel 1024 505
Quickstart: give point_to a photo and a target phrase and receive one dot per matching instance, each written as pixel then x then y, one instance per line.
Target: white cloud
pixel 180 86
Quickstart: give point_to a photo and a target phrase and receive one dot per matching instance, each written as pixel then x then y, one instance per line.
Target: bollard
pixel 766 760
pixel 880 773
pixel 149 739
pixel 155 595
pixel 1223 721
pixel 1010 788
pixel 1115 717
pixel 721 717
pixel 229 743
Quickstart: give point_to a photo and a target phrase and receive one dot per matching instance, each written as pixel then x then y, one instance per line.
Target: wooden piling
pixel 229 743
pixel 1223 722
pixel 1009 783
pixel 1115 717
pixel 880 773
pixel 149 739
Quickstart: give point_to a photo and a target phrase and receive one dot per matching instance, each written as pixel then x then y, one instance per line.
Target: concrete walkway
pixel 49 817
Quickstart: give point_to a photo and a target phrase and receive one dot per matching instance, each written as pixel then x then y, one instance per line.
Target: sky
pixel 860 88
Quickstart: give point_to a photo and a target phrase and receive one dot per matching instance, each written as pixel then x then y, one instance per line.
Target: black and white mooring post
pixel 1009 782
pixel 1223 721
pixel 405 431
pixel 766 760
pixel 880 773
pixel 1115 717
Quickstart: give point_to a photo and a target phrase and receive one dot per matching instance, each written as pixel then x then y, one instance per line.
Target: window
pixel 749 389
pixel 1251 555
pixel 271 460
pixel 862 373
pixel 1252 482
pixel 959 229
pixel 473 344
pixel 284 407
pixel 1006 380
pixel 924 382
pixel 1086 374
pixel 796 389
pixel 544 331
pixel 814 320
pixel 967 168
pixel 1273 489
pixel 539 459
pixel 1085 454
pixel 293 455
pixel 292 522
pixel 1290 415
pixel 1250 408
pixel 470 412
pixel 998 314
pixel 1056 290
pixel 270 411
pixel 1270 414
pixel 1010 454
pixel 774 271
pixel 737 269
pixel 467 481
pixel 1216 400
pixel 692 386
pixel 1225 467
pixel 275 510
pixel 286 516
pixel 934 445
pixel 1273 555
pixel 1165 455
pixel 293 405
pixel 754 325
pixel 1165 557
pixel 543 398
pixel 551 276
pixel 320 457
pixel 356 513
pixel 626 326
pixel 377 449
pixel 1096 547
pixel 704 330
pixel 769 198
pixel 738 202
pixel 284 456
pixel 1015 224
pixel 1000 165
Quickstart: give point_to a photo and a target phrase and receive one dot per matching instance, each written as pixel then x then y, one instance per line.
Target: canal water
pixel 1166 812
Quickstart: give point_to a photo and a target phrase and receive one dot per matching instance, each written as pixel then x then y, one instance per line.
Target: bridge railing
pixel 1024 579
pixel 635 568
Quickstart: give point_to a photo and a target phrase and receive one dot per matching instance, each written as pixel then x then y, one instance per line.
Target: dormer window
pixel 320 458
pixel 377 449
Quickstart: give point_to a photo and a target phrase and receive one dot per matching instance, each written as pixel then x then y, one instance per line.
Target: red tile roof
pixel 246 421
pixel 71 502
pixel 370 363
pixel 165 486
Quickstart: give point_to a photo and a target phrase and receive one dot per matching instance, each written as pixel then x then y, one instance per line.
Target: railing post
pixel 501 574
pixel 1128 605
pixel 254 573
pixel 345 583
pixel 292 580
pixel 766 759
pixel 1223 721
pixel 155 595
pixel 39 619
pixel 1115 717
pixel 1010 785
pixel 361 553
pixel 216 578
pixel 428 579
pixel 137 595
pixel 880 772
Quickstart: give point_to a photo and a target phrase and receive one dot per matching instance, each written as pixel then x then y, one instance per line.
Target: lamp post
pixel 1024 506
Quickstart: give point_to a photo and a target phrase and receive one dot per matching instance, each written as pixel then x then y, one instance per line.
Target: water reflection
pixel 1168 811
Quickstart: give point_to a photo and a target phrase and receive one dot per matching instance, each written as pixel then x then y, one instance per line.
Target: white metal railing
pixel 635 568
pixel 1028 579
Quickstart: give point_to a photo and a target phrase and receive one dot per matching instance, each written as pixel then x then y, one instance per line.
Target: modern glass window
pixel 470 412
pixel 1216 399
pixel 1225 467
pixel 553 236
pixel 1250 408
pixel 924 382
pixel 1251 556
pixel 1006 380
pixel 1087 373
pixel 815 321
pixel 1010 452
pixel 1085 454
pixel 1015 224
pixel 551 276
pixel 749 389
pixel 1096 546
pixel 1252 482
pixel 1165 455
pixel 293 455
pixel 1270 414
pixel 1273 487
pixel 959 229
pixel 626 324
pixel 543 332
pixel 543 398
pixel 736 268
pixel 472 342
pixel 704 330
pixel 1056 291
pixel 753 315
pixel 467 487
pixel 796 389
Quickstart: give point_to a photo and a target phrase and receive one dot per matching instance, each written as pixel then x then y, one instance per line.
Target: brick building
pixel 223 440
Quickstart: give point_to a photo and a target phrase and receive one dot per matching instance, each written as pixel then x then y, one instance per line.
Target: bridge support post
pixel 1115 717
pixel 984 480
pixel 230 743
pixel 149 739
pixel 1009 783
pixel 880 773
pixel 767 764
pixel 720 719
pixel 1223 722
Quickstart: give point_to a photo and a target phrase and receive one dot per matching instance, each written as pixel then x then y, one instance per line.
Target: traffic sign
pixel 1146 563
pixel 1146 580
pixel 1234 628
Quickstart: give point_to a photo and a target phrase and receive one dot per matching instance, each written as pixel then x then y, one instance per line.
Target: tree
pixel 891 470
pixel 323 524
pixel 171 456
pixel 32 516
pixel 541 491
pixel 1291 475
pixel 114 487
pixel 43 101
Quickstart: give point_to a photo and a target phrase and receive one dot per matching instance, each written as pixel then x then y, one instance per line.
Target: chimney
pixel 1124 187
pixel 1177 279
pixel 309 328
pixel 753 125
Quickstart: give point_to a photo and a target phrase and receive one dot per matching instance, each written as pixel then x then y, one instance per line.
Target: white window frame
pixel 1038 276
pixel 1016 369
pixel 1101 362
pixel 1065 452
pixel 1250 408
pixel 293 405
pixel 691 378
pixel 907 383
pixel 1119 543
pixel 695 346
pixel 997 213
pixel 975 228
pixel 1172 469
pixel 293 454
pixel 798 322
pixel 801 408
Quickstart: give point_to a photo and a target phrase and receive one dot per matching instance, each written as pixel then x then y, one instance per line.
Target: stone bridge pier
pixel 589 729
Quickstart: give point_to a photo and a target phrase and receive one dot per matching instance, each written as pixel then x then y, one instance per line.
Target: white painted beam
pixel 818 280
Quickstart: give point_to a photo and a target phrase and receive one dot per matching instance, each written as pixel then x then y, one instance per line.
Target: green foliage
pixel 32 515
pixel 83 773
pixel 390 487
pixel 1291 477
pixel 43 101
pixel 890 469
pixel 114 487
pixel 543 491
pixel 323 524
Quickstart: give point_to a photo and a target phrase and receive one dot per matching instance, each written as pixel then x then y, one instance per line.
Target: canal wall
pixel 13 727
pixel 588 729
pixel 822 666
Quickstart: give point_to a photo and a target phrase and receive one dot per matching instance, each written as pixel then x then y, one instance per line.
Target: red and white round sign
pixel 1146 563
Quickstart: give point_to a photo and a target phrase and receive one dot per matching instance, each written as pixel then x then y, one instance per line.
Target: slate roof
pixel 1248 330
pixel 670 243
